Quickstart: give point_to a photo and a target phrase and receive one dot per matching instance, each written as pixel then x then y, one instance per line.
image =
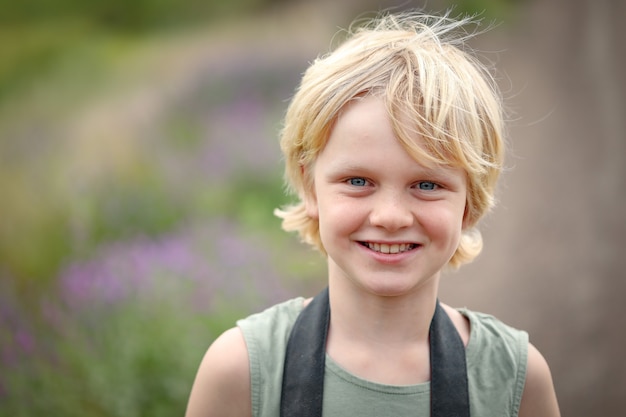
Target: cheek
pixel 336 217
pixel 444 223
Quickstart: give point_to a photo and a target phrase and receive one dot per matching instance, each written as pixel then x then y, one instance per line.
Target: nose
pixel 391 211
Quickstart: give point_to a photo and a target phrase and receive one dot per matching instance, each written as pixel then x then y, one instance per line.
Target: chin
pixel 399 286
pixel 388 289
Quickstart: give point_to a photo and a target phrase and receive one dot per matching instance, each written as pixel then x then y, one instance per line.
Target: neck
pixel 383 339
pixel 373 319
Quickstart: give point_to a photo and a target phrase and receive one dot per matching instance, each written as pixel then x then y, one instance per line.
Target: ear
pixel 310 205
pixel 466 221
pixel 309 198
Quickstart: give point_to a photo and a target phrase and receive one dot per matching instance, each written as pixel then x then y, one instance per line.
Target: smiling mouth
pixel 388 248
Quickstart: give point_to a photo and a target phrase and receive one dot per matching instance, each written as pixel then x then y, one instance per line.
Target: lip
pixel 389 248
pixel 389 251
pixel 389 258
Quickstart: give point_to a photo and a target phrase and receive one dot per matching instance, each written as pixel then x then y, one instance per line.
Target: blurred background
pixel 139 167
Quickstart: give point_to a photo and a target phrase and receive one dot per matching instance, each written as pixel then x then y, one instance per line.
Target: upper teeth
pixel 390 248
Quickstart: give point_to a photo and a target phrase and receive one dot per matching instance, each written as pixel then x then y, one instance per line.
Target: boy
pixel 393 143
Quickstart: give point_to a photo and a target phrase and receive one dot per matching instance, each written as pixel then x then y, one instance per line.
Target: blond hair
pixel 421 67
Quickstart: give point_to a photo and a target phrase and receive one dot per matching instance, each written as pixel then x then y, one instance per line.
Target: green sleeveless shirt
pixel 496 369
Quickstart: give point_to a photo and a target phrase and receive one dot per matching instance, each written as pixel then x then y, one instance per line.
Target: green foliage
pixel 131 209
pixel 251 200
pixel 489 9
pixel 66 195
pixel 135 15
pixel 134 359
pixel 123 332
pixel 129 248
pixel 30 50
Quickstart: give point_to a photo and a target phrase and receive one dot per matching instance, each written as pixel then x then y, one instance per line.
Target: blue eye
pixel 357 182
pixel 427 186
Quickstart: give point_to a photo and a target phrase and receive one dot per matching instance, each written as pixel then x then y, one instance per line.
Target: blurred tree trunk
pixel 583 45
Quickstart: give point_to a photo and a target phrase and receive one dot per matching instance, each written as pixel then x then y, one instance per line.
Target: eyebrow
pixel 440 172
pixel 430 169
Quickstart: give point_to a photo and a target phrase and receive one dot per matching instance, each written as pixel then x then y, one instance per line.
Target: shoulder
pixel 461 322
pixel 539 397
pixel 476 328
pixel 222 384
pixel 496 362
pixel 520 366
pixel 493 342
pixel 287 310
pixel 236 370
pixel 490 333
pixel 265 335
pixel 274 322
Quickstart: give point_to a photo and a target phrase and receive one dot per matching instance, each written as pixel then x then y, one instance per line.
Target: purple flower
pixel 18 339
pixel 25 341
pixel 200 264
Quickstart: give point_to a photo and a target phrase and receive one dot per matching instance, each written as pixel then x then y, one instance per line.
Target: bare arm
pixel 539 398
pixel 222 384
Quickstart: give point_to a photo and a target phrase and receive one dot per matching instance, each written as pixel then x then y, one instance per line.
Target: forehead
pixel 364 136
pixel 372 114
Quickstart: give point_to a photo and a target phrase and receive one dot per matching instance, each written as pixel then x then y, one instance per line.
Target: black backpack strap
pixel 303 375
pixel 449 396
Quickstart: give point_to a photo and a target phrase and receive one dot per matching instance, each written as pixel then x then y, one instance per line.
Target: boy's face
pixel 387 223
